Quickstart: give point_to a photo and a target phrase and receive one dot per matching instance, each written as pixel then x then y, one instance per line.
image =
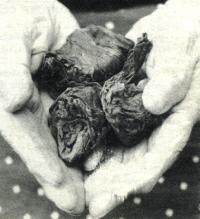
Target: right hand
pixel 173 69
pixel 28 30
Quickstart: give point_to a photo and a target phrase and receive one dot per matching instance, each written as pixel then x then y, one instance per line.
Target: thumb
pixel 51 32
pixel 172 59
pixel 169 75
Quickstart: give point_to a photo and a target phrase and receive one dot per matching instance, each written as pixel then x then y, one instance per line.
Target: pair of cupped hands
pixel 31 28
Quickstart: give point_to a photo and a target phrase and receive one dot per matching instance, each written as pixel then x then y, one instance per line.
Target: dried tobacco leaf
pixel 78 122
pixel 91 54
pixel 121 98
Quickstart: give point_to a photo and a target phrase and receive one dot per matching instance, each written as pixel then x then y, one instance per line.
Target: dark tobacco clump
pixel 121 98
pixel 91 54
pixel 77 122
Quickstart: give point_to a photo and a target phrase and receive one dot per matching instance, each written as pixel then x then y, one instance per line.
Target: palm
pixel 137 170
pixel 119 175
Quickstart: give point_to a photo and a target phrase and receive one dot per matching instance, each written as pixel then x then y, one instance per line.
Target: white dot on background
pixel 110 25
pixel 8 160
pixel 161 180
pixel 16 189
pixel 27 216
pixel 55 215
pixel 1 209
pixel 195 159
pixel 169 212
pixel 137 200
pixel 40 192
pixel 183 186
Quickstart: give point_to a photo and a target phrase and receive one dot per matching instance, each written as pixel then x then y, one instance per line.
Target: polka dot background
pixel 176 195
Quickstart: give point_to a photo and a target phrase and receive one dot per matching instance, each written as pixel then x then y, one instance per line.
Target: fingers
pixel 50 31
pixel 140 27
pixel 144 164
pixel 168 141
pixel 69 195
pixel 35 145
pixel 47 101
pixel 138 175
pixel 16 85
pixel 50 24
pixel 172 59
pixel 102 205
pixel 111 184
pixel 24 126
pixel 170 76
pixel 23 120
pixel 36 60
pixel 146 24
pixel 192 99
pixel 64 24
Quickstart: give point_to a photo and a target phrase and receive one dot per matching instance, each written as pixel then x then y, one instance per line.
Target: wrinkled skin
pixel 91 54
pixel 122 98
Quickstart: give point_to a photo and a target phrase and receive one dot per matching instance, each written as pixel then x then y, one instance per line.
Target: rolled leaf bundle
pixel 121 98
pixel 78 122
pixel 91 54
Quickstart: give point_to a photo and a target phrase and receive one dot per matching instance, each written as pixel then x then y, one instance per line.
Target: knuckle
pixel 56 179
pixel 54 175
pixel 151 104
pixel 178 79
pixel 65 23
pixel 163 92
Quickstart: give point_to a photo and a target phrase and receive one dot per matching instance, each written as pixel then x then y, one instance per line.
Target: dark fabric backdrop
pixel 105 4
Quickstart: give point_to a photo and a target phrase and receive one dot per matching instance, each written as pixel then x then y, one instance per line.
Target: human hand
pixel 28 30
pixel 173 71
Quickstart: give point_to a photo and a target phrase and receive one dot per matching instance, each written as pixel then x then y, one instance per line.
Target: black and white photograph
pixel 99 109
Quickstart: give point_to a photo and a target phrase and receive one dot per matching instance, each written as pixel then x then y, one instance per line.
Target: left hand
pixel 29 29
pixel 173 69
